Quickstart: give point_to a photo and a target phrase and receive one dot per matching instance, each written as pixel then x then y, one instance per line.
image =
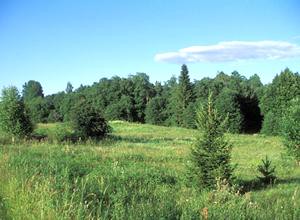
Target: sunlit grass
pixel 138 172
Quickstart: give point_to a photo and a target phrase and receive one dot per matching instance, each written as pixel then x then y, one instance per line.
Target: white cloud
pixel 296 37
pixel 232 51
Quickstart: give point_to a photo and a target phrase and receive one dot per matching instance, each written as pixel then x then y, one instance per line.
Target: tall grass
pixel 139 173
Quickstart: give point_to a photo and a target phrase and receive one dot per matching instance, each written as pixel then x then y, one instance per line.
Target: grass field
pixel 139 173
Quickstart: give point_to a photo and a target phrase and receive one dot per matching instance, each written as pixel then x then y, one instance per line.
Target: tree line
pixel 249 105
pixel 213 105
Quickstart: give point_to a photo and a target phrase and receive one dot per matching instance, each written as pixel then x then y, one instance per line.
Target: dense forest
pixel 249 105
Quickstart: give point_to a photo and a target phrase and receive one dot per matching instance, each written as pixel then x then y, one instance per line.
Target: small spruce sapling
pixel 267 172
pixel 210 155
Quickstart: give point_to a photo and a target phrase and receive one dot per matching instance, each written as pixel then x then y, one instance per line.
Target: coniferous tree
pixel 183 97
pixel 267 172
pixel 156 111
pixel 170 89
pixel 185 88
pixel 210 154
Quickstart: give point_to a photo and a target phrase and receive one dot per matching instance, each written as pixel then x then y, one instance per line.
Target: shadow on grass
pixel 70 138
pixel 144 140
pixel 256 185
pixel 109 139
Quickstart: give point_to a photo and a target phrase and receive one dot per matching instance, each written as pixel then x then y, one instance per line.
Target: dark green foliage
pixel 236 97
pixel 156 111
pixel 267 172
pixel 170 95
pixel 68 102
pixel 121 109
pixel 121 98
pixel 211 153
pixel 14 119
pixel 255 85
pixel 185 88
pixel 87 121
pixel 276 99
pixel 158 89
pixel 246 102
pixel 189 115
pixel 69 88
pixel 291 129
pixel 228 105
pixel 142 92
pixel 181 98
pixel 32 89
pixel 53 103
pixel 34 101
pixel 136 99
pixel 38 111
pixel 270 124
pixel 54 116
pixel 202 88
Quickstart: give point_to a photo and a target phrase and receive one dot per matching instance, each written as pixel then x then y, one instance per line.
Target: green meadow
pixel 139 172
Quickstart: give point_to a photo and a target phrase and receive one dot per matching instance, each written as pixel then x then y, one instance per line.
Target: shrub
pixel 88 122
pixel 211 153
pixel 291 129
pixel 14 120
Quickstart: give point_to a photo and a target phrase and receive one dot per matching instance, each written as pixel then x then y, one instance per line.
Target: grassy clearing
pixel 139 173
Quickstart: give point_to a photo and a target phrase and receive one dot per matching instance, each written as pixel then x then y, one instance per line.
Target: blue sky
pixel 57 41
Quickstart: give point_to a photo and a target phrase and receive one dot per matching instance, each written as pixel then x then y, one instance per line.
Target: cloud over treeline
pixel 232 51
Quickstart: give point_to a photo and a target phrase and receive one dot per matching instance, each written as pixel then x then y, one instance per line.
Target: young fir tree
pixel 267 172
pixel 210 155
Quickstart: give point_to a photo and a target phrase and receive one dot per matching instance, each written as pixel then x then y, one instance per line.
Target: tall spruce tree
pixel 184 96
pixel 210 155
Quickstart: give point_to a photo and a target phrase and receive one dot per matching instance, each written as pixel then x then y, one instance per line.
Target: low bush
pixel 87 122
